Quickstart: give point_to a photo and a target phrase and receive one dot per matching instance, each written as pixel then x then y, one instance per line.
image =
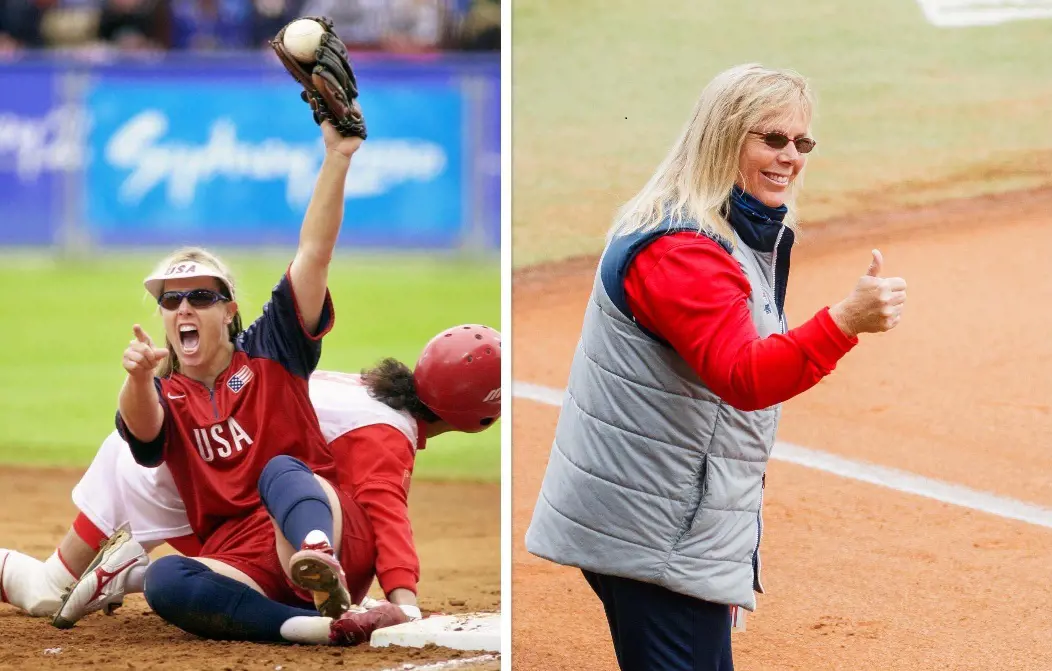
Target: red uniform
pixel 375 450
pixel 216 442
pixel 375 466
pixel 688 290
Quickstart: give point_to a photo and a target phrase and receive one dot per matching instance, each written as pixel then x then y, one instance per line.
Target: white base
pixel 472 631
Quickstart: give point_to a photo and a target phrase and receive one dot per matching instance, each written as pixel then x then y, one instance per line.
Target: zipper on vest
pixel 774 276
pixel 759 534
pixel 774 261
pixel 779 292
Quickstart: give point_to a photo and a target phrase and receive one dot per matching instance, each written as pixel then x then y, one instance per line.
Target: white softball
pixel 302 38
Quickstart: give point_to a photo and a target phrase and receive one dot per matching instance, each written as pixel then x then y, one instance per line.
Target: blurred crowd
pixel 403 26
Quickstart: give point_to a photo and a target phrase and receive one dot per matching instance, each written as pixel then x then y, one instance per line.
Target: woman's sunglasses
pixel 198 298
pixel 776 140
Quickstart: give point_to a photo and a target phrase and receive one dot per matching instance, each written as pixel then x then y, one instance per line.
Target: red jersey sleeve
pixel 374 466
pixel 689 291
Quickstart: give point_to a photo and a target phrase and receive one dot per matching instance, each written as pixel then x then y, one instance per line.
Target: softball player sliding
pixel 229 413
pixel 374 425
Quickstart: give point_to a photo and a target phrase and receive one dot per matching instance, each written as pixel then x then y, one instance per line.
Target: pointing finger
pixel 140 335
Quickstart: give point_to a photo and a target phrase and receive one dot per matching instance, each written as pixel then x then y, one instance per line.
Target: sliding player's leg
pixel 241 593
pixel 35 586
pixel 116 493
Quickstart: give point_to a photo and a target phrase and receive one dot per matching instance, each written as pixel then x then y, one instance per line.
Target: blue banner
pixel 38 143
pixel 225 162
pixel 222 151
pixel 491 163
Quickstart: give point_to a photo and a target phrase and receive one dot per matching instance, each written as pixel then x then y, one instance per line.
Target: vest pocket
pixel 694 508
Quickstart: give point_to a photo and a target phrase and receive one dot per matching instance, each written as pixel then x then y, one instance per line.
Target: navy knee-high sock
pixel 193 597
pixel 293 497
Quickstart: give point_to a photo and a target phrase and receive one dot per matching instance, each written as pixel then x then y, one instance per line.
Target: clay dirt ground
pixel 457 527
pixel 858 576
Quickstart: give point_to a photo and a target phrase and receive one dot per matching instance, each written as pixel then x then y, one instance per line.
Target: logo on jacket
pixel 239 379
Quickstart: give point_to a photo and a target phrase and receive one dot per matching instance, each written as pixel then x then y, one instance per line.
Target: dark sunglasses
pixel 198 298
pixel 776 140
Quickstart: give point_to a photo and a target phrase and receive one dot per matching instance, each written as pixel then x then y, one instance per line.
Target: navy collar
pixel 757 224
pixel 761 228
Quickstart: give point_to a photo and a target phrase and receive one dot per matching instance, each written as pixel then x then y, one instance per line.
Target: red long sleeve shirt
pixel 688 290
pixel 375 465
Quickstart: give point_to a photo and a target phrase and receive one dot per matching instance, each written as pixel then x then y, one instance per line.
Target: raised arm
pixel 309 272
pixel 329 85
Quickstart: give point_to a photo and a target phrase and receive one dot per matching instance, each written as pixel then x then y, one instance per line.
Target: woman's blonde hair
pixel 694 181
pixel 170 364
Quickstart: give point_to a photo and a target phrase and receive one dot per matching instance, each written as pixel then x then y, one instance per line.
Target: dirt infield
pixel 457 527
pixel 860 576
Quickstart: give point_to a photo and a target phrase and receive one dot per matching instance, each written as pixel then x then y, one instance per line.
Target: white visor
pixel 181 270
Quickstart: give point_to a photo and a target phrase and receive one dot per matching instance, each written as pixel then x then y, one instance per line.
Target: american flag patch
pixel 239 379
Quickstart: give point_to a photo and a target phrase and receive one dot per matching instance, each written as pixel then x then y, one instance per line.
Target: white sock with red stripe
pixel 57 575
pixel 317 537
pixel 30 584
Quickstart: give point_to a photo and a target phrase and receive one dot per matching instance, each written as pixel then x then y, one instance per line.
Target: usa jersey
pixel 217 441
pixel 116 491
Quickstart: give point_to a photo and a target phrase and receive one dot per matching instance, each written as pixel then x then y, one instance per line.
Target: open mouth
pixel 189 338
pixel 780 180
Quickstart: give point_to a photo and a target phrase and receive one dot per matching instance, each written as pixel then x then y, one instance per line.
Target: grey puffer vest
pixel 651 475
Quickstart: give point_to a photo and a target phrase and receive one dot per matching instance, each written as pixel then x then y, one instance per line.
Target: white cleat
pixel 102 587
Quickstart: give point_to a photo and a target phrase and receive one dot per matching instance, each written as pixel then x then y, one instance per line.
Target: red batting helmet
pixel 458 376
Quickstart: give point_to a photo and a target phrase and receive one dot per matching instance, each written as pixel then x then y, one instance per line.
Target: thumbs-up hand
pixel 876 303
pixel 141 357
pixel 876 265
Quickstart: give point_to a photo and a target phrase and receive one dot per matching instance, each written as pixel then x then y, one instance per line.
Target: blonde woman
pixel 229 414
pixel 655 481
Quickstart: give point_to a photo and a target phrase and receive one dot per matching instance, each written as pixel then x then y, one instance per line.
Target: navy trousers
pixel 655 629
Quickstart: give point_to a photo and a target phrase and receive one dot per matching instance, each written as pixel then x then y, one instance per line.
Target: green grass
pixel 907 113
pixel 66 323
